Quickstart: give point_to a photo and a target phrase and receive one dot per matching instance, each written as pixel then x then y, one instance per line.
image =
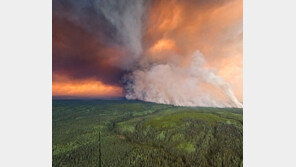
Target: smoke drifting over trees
pixel 186 53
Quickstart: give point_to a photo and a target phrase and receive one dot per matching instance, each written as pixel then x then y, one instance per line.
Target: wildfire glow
pixel 169 33
pixel 85 88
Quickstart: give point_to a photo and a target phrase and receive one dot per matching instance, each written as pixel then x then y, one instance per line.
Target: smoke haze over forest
pixel 186 53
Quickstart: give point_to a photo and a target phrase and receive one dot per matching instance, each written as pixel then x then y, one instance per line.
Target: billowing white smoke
pixel 181 86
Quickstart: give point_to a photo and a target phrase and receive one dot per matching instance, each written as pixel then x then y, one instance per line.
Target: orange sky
pixel 174 29
pixel 84 88
pixel 182 27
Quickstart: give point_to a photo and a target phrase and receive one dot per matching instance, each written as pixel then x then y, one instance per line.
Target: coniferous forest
pixel 115 133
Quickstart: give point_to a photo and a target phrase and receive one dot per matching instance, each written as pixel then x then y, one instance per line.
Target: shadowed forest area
pixel 109 133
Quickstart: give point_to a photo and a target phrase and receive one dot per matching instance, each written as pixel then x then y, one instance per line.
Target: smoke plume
pixel 126 17
pixel 185 53
pixel 181 86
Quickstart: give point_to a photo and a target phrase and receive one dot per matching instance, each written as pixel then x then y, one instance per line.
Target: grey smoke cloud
pixel 120 25
pixel 127 17
pixel 165 82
